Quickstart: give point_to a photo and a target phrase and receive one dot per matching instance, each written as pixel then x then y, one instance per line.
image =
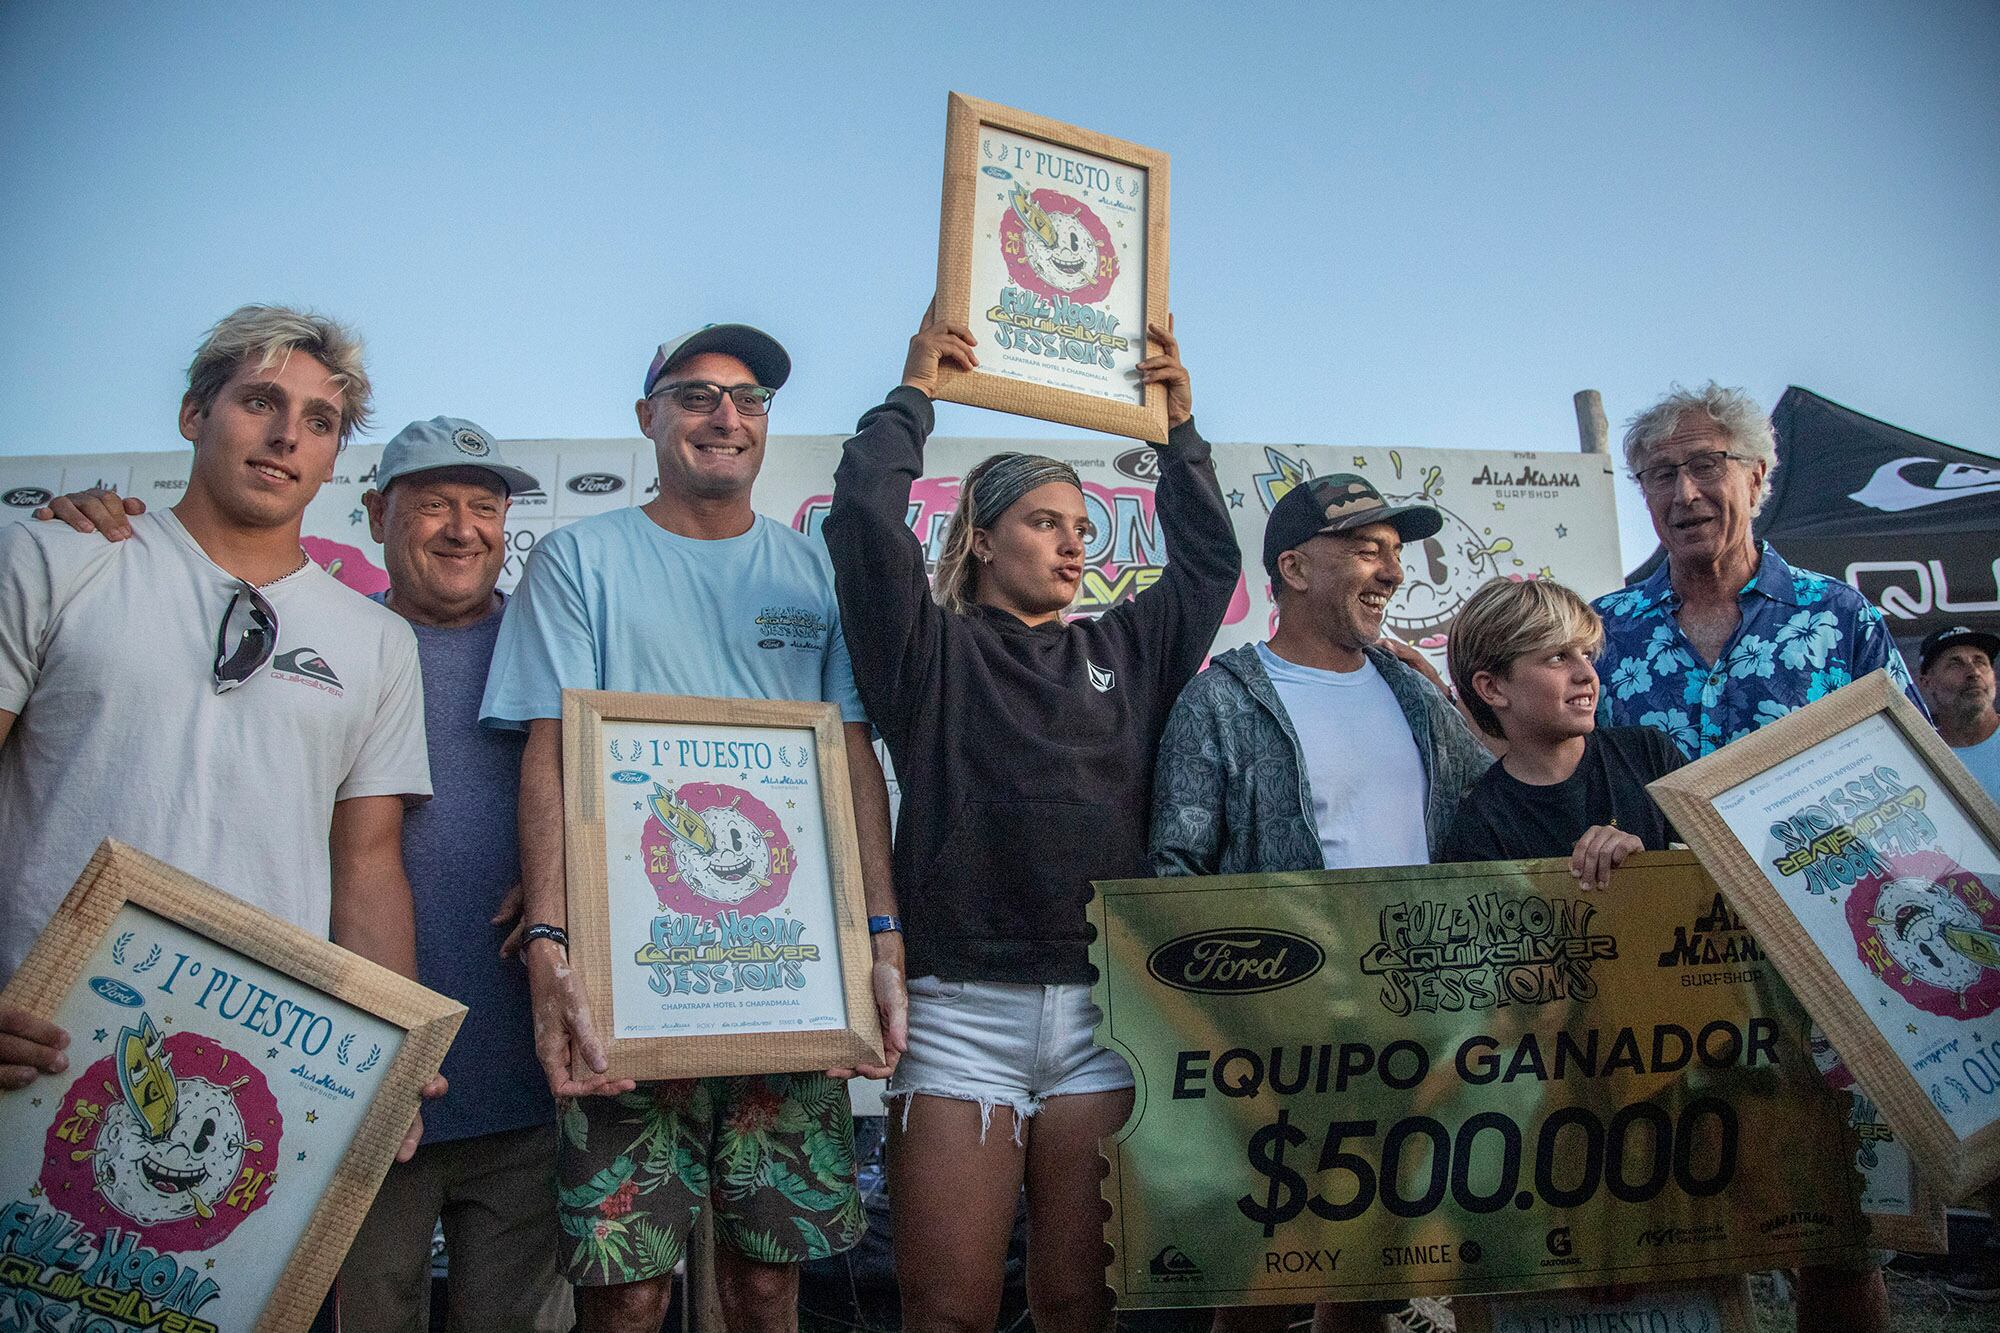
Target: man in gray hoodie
pixel 1321 749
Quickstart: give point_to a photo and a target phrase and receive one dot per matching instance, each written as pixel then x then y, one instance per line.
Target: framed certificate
pixel 235 1092
pixel 716 912
pixel 1867 861
pixel 1052 249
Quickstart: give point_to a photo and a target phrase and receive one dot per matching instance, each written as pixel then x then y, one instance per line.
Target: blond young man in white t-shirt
pixel 202 690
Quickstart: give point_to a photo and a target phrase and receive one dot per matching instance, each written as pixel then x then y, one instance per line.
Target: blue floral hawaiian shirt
pixel 1802 635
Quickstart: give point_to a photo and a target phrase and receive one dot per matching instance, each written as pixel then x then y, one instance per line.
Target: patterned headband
pixel 1008 477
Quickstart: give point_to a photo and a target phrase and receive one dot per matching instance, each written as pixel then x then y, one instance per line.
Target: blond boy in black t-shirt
pixel 1521 659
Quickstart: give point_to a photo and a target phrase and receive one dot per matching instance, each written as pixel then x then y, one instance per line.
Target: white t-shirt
pixel 107 653
pixel 1367 780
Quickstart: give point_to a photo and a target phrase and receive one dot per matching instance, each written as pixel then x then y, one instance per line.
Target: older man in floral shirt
pixel 1725 637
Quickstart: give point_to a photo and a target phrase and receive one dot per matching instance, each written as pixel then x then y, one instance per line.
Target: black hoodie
pixel 1024 753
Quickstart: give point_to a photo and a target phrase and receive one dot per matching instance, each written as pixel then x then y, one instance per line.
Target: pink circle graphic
pixel 731 855
pixel 1015 247
pixel 93 1120
pixel 1926 928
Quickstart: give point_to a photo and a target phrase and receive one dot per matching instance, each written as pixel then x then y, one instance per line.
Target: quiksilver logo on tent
pixel 1895 488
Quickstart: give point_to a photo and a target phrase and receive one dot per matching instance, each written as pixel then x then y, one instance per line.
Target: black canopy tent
pixel 1912 522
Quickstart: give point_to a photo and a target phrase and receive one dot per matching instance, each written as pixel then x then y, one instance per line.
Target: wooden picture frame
pixel 1713 1305
pixel 1866 860
pixel 290 1086
pixel 1045 229
pixel 719 927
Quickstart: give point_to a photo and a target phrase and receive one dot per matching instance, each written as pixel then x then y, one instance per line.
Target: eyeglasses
pixel 701 398
pixel 1702 468
pixel 246 639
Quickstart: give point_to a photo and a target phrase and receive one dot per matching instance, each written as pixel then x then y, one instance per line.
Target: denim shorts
pixel 1002 1043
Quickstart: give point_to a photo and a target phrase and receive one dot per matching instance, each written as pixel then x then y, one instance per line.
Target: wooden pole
pixel 1592 431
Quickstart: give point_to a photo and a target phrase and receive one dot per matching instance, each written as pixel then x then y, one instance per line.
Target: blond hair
pixel 956 583
pixel 266 334
pixel 1505 621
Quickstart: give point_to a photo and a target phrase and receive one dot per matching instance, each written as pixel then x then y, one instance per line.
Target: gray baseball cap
pixel 425 446
pixel 768 361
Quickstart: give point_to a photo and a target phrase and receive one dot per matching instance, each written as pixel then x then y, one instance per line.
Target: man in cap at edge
pixel 487 1163
pixel 666 599
pixel 1955 675
pixel 1322 749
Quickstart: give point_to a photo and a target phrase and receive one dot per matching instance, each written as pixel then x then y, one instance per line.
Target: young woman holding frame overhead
pixel 1024 747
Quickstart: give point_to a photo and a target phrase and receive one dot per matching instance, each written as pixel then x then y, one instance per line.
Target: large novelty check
pixel 1442 1079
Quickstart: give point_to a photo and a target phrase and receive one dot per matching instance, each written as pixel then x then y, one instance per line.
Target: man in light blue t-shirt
pixel 694 594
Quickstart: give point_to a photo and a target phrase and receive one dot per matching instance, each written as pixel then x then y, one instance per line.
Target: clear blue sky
pixel 1408 224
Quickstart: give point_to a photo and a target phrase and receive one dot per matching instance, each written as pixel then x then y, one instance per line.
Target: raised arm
pixel 1176 619
pixel 878 563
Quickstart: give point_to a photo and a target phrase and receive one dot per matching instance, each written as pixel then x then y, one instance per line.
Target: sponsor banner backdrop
pixel 1513 515
pixel 1455 1079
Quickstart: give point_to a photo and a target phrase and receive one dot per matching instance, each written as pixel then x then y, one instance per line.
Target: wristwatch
pixel 882 925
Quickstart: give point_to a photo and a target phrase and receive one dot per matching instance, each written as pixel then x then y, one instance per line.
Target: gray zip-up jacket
pixel 1230 794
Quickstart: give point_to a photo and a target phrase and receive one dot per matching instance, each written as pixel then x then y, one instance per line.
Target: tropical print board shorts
pixel 774 1152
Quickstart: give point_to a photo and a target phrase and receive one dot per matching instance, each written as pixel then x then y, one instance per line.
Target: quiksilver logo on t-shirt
pixel 306 666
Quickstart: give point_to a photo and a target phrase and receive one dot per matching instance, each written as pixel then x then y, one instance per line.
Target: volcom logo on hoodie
pixel 1100 679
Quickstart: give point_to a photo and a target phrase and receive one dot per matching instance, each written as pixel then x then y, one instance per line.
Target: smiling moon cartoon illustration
pixel 709 847
pixel 172 1146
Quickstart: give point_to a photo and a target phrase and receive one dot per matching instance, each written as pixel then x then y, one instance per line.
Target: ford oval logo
pixel 770 643
pixel 628 775
pixel 116 991
pixel 998 173
pixel 28 497
pixel 1235 962
pixel 1138 464
pixel 596 483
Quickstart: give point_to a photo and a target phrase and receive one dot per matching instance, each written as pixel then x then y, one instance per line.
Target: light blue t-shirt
pixel 1367 779
pixel 616 602
pixel 1984 761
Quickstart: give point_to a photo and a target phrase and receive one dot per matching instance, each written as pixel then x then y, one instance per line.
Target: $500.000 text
pixel 1571 1138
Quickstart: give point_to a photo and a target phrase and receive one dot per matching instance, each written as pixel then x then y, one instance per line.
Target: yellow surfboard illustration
pixel 680 821
pixel 1031 215
pixel 1981 946
pixel 145 1077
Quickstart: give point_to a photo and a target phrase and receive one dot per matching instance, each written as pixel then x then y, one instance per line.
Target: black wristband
pixel 544 931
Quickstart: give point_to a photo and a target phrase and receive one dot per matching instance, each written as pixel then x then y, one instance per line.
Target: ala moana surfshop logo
pixel 721 863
